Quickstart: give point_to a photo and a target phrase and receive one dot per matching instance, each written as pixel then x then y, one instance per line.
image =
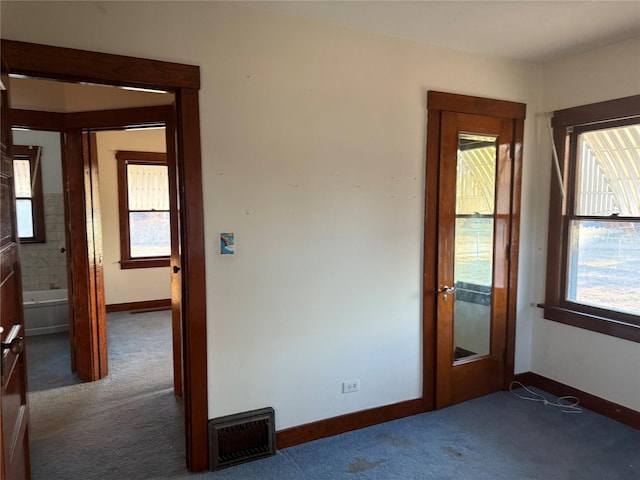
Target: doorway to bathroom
pixel 183 80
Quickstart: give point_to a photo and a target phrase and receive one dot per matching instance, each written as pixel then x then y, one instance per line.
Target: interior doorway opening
pixel 39 61
pixel 82 113
pixel 43 255
pixel 49 261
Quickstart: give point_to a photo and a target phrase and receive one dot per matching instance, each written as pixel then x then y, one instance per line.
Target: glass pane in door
pixel 473 266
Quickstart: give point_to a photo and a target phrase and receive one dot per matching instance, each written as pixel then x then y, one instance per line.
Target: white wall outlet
pixel 350 386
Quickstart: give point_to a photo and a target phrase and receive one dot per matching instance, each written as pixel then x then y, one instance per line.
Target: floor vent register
pixel 241 437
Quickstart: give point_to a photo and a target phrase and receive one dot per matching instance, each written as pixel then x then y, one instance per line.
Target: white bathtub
pixel 45 311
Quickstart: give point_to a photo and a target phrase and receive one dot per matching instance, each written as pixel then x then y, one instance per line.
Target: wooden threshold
pixel 346 423
pixel 591 402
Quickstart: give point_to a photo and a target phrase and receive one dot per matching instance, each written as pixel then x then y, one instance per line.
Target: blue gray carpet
pixel 495 437
pixel 129 426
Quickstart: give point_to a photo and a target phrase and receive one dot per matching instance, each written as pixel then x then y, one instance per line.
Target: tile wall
pixel 44 267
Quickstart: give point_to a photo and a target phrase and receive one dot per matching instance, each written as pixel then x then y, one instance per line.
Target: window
pixel 594 230
pixel 28 189
pixel 143 191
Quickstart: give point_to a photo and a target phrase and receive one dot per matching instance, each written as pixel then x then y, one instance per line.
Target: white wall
pixel 136 284
pixel 599 364
pixel 602 74
pixel 313 147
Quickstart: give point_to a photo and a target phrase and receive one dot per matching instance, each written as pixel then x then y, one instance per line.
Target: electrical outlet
pixel 350 386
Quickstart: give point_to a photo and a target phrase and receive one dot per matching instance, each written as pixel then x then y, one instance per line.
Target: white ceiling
pixel 533 31
pixel 64 97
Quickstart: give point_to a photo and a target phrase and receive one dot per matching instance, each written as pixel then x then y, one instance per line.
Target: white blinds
pixel 148 187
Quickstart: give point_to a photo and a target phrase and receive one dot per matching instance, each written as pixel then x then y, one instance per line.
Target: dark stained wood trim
pixel 514 248
pixel 67 179
pixel 183 80
pixel 96 266
pixel 144 263
pixel 593 323
pixel 597 112
pixel 591 402
pixel 73 65
pixel 430 266
pixel 445 269
pixel 38 120
pixel 193 268
pixel 175 270
pixel 117 118
pixel 346 423
pixel 556 233
pixel 149 305
pixel 114 119
pixel 77 234
pixel 142 157
pixel 475 105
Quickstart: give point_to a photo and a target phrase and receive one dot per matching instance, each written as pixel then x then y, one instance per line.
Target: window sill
pixel 607 326
pixel 144 263
pixel 32 240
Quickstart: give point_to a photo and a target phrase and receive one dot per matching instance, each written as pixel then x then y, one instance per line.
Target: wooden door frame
pixel 57 63
pixel 437 103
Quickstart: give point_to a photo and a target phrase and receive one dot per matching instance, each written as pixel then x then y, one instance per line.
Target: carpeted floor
pixel 129 426
pixel 497 437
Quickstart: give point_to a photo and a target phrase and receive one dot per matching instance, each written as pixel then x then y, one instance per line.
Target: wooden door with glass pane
pixel 473 262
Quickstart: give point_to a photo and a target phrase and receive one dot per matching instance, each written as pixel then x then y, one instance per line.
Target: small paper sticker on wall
pixel 227 245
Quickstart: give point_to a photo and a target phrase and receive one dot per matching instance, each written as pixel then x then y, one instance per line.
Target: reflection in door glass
pixel 475 200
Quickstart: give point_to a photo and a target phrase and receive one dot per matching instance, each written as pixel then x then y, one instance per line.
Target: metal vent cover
pixel 241 437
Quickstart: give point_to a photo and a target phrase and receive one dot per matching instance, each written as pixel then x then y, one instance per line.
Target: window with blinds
pixel 594 223
pixel 145 229
pixel 27 180
pixel 604 219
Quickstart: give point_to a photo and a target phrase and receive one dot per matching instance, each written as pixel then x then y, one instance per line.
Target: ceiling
pixel 65 97
pixel 532 31
pixel 527 30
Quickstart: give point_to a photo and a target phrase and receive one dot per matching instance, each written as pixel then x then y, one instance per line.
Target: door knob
pixel 16 346
pixel 446 291
pixel 176 269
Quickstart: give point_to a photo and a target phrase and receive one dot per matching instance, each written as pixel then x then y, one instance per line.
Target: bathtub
pixel 45 311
